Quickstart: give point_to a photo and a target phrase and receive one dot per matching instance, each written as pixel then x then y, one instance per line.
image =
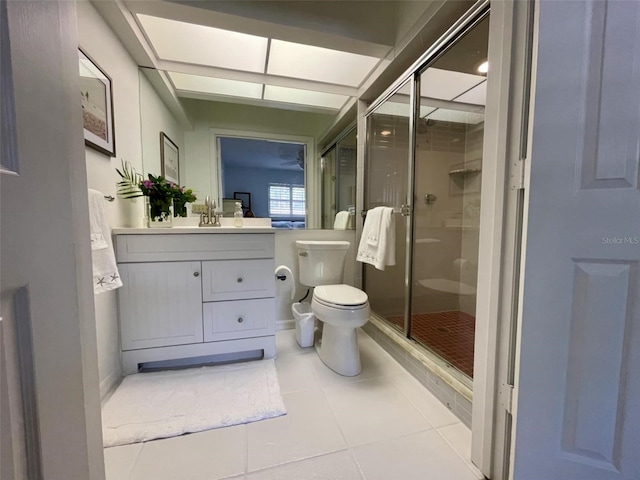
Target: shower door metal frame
pixel 464 24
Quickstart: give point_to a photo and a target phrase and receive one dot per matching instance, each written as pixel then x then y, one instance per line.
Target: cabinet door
pixel 160 304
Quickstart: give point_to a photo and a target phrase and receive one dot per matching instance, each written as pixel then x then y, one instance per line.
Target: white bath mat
pixel 166 404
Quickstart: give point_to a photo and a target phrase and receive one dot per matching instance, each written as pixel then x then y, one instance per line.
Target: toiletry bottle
pixel 237 215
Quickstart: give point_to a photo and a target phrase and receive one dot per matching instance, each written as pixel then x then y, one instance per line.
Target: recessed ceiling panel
pixel 398 109
pixel 445 84
pixel 304 97
pixel 477 95
pixel 191 43
pixel 319 64
pixel 456 116
pixel 215 86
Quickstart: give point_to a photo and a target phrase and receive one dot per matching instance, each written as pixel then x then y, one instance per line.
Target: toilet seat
pixel 343 297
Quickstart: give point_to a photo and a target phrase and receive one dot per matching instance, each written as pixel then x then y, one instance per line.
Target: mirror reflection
pixel 338 165
pixel 265 157
pixel 267 176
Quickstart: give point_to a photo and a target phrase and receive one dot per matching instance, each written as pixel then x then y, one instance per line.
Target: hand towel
pixel 105 271
pixel 373 220
pixel 381 226
pixel 97 219
pixel 342 220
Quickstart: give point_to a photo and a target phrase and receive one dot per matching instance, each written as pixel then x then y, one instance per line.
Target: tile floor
pixel 450 335
pixel 382 424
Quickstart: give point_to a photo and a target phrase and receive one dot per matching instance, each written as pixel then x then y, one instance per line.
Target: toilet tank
pixel 321 262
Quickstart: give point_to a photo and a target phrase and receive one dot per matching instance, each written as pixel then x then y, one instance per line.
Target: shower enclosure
pixel 338 179
pixel 424 158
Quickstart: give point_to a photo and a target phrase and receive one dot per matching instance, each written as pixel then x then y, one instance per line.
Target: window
pixel 286 200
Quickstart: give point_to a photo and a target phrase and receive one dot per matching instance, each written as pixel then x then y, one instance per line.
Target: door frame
pixel 502 202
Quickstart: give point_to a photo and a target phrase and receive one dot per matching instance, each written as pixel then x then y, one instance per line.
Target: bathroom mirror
pixel 237 148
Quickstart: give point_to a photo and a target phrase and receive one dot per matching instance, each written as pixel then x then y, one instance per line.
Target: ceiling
pixel 261 154
pixel 315 56
pixel 452 89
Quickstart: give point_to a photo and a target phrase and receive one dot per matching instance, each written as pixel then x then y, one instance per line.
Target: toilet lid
pixel 340 295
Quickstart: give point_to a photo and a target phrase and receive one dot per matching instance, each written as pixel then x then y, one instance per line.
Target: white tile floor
pixel 382 424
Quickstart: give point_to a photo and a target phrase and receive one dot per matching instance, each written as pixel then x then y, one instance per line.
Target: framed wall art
pixel 169 159
pixel 97 106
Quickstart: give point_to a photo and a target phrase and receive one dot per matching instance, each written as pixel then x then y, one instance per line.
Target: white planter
pixel 131 212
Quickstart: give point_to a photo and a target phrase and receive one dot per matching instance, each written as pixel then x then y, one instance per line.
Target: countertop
pixel 190 229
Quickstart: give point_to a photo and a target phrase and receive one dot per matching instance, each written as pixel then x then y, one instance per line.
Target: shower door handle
pixel 405 210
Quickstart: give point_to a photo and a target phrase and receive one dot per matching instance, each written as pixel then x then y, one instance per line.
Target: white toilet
pixel 341 308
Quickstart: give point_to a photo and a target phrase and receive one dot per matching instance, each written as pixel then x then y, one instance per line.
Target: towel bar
pixel 404 210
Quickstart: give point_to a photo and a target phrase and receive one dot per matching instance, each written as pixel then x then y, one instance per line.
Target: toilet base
pixel 338 350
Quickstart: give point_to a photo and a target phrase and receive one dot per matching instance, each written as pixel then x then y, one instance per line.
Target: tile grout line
pixel 466 462
pixel 133 465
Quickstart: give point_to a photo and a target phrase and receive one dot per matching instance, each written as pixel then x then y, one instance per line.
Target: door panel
pixel 578 408
pixel 386 184
pixel 447 189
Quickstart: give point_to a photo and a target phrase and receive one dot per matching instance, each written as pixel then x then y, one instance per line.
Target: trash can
pixel 305 323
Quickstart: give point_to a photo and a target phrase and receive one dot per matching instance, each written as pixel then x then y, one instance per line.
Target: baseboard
pixel 108 385
pixel 285 324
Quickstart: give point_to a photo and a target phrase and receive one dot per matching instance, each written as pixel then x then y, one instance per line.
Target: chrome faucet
pixel 211 218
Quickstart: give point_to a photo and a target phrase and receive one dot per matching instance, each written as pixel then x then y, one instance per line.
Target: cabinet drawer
pixel 237 279
pixel 238 319
pixel 195 246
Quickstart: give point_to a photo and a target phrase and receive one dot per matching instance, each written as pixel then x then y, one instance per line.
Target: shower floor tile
pixel 450 334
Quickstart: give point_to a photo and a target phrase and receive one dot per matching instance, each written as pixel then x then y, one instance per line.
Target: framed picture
pixel 97 106
pixel 169 159
pixel 245 198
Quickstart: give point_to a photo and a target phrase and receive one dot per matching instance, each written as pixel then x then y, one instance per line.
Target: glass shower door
pixel 386 184
pixel 328 190
pixel 448 168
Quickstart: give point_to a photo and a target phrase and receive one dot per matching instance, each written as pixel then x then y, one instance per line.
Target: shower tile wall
pixel 447 229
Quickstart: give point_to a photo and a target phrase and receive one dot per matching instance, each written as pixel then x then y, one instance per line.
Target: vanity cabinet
pixel 189 295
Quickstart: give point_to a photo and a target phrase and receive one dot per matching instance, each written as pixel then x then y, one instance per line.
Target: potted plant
pixel 181 197
pixel 128 190
pixel 159 194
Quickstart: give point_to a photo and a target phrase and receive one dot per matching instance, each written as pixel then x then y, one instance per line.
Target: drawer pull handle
pixel 240 320
pixel 196 274
pixel 239 280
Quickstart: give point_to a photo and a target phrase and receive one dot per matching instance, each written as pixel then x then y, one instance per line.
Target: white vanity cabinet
pixel 192 293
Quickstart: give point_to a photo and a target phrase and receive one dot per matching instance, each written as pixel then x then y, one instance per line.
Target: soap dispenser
pixel 237 215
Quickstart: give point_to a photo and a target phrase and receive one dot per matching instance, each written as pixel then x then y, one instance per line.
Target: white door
pixel 160 304
pixel 578 405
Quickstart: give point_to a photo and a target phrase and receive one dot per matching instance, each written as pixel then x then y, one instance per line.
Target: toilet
pixel 341 308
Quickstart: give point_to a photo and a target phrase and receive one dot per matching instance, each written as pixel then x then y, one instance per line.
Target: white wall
pixel 286 254
pixel 102 45
pixel 156 118
pixel 45 241
pixel 98 41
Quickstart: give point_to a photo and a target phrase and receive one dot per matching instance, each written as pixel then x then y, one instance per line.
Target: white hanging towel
pixel 105 271
pixel 378 242
pixel 342 220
